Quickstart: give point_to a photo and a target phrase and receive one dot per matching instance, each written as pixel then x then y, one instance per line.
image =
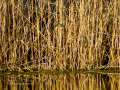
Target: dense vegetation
pixel 31 40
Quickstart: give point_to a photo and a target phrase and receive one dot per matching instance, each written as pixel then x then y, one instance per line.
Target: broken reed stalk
pixel 32 40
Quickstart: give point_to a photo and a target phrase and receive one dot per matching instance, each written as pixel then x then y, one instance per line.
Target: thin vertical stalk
pixel 69 30
pixel 38 41
pixel 0 34
pixel 32 34
pixel 4 31
pixel 118 16
pixel 89 41
pixel 100 35
pixel 80 36
pixel 57 39
pixel 48 31
pixel 60 31
pixel 41 49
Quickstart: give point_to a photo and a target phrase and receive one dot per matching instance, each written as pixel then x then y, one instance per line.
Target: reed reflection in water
pixel 73 81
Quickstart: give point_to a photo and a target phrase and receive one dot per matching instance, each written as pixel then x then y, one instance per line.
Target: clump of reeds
pixel 31 40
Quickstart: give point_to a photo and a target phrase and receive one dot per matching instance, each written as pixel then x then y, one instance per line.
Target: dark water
pixel 60 81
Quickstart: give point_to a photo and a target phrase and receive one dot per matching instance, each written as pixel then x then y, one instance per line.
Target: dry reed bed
pixel 31 40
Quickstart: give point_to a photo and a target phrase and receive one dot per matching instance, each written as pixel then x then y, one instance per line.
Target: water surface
pixel 60 81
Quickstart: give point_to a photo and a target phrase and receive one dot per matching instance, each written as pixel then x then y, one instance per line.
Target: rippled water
pixel 60 81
